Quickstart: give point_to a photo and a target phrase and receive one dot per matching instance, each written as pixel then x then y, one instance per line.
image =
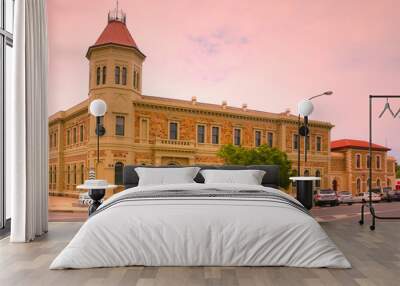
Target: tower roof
pixel 116 33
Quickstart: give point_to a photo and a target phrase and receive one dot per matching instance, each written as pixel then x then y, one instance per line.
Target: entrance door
pixel 334 185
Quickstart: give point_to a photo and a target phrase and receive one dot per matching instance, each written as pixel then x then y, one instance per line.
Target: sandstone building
pixel 149 130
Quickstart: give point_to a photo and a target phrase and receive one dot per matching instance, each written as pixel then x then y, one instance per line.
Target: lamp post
pixel 98 108
pixel 305 108
pixel 304 183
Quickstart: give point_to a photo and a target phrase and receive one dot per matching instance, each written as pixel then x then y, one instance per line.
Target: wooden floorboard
pixel 375 257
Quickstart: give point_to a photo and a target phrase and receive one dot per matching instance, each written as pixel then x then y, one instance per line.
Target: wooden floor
pixel 375 257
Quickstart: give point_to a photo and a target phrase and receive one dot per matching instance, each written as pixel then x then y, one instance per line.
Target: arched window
pixel 104 75
pixel 358 185
pixel 378 162
pixel 358 161
pixel 98 76
pixel 124 71
pixel 389 183
pixel 306 173
pixel 368 161
pixel 318 182
pixel 117 74
pixel 378 183
pixel 118 175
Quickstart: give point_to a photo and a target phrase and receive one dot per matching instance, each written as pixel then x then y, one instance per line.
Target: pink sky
pixel 268 54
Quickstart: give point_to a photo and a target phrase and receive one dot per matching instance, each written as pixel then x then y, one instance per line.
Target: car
pixel 388 194
pixel 325 197
pixel 396 195
pixel 376 195
pixel 345 197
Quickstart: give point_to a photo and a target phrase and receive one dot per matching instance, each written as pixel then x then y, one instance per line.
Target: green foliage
pixel 262 155
pixel 397 171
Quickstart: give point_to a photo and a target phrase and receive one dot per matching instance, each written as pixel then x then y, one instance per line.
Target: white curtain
pixel 27 124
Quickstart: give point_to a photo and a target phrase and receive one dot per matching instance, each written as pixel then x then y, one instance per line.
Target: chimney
pixel 194 100
pixel 244 106
pixel 224 104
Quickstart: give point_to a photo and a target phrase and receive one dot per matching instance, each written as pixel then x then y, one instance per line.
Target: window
pixel 98 76
pixel 318 182
pixel 378 183
pixel 389 183
pixel 6 64
pixel 51 140
pixel 81 133
pixel 136 79
pixel 55 139
pixel 118 173
pixel 319 144
pixel 144 129
pixel 201 132
pixel 358 185
pixel 358 161
pixel 75 135
pixel 215 135
pixel 82 173
pixel 270 139
pixel 55 175
pixel 68 137
pixel 117 75
pixel 308 142
pixel 173 131
pixel 124 75
pixel 69 175
pixel 295 141
pixel 378 162
pixel 368 161
pixel 120 126
pixel 257 138
pixel 104 75
pixel 306 173
pixel 237 136
pixel 74 174
pixel 50 175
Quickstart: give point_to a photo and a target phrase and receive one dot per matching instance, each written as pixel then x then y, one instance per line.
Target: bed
pixel 201 224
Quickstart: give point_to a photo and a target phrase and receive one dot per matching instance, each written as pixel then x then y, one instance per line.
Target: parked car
pixel 358 198
pixel 376 195
pixel 388 194
pixel 396 195
pixel 325 197
pixel 345 198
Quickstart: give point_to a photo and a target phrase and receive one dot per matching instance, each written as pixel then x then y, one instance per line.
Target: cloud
pixel 217 41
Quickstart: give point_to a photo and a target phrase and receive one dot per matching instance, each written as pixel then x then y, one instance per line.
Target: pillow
pixel 166 176
pixel 248 177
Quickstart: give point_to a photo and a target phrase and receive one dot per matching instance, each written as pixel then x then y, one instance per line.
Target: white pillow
pixel 248 177
pixel 166 176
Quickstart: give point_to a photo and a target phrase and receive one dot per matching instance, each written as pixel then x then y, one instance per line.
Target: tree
pixel 262 155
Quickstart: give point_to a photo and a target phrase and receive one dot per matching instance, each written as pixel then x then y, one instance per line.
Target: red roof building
pixel 355 144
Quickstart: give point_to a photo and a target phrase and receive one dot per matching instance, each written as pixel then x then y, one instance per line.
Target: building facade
pixel 149 130
pixel 350 166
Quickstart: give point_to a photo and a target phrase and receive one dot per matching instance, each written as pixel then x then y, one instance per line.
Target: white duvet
pixel 200 231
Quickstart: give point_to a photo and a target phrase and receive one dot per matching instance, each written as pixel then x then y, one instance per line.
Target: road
pixel 345 211
pixel 68 209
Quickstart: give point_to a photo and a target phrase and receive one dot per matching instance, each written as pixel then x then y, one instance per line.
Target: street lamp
pixel 305 108
pixel 98 108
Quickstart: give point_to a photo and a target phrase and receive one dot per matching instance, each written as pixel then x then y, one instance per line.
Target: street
pixel 68 209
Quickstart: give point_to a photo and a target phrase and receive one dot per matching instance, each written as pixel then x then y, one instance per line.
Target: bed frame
pixel 270 179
